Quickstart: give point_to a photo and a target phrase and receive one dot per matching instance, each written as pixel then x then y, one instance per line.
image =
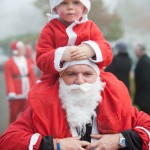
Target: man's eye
pixel 88 74
pixel 71 74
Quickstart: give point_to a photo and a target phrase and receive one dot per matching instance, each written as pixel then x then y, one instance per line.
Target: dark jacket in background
pixel 142 82
pixel 120 67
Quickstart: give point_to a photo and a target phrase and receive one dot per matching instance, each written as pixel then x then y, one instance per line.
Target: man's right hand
pixel 73 143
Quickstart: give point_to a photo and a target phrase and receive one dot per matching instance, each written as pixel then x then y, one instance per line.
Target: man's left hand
pixel 105 142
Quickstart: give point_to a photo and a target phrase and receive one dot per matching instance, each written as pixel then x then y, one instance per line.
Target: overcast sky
pixel 22 16
pixel 111 5
pixel 19 17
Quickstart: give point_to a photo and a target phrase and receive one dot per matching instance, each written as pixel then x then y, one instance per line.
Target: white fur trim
pixel 87 62
pixel 54 3
pixel 57 59
pixel 11 94
pixel 147 132
pixel 23 68
pixel 87 4
pixel 97 50
pixel 14 97
pixel 33 140
pixel 71 34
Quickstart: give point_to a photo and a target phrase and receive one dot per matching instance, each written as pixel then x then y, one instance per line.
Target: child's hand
pixel 83 51
pixel 67 53
pixel 80 52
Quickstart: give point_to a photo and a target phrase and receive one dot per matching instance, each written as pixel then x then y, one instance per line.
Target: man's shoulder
pixel 42 96
pixel 115 90
pixel 42 89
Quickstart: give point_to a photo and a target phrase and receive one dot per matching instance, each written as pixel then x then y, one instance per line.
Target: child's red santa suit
pixel 55 37
pixel 19 76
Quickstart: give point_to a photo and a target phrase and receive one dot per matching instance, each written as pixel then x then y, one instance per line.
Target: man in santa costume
pixel 19 77
pixel 79 112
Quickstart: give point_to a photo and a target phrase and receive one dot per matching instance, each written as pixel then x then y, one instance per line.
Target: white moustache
pixel 81 88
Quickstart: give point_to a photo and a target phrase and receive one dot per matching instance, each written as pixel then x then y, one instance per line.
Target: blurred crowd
pixel 21 74
pixel 122 68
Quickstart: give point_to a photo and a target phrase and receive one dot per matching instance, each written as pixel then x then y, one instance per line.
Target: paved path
pixel 3 105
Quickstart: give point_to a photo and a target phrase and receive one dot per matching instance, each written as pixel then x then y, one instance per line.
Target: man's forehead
pixel 80 68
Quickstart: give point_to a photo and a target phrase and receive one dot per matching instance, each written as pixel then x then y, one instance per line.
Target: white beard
pixel 80 102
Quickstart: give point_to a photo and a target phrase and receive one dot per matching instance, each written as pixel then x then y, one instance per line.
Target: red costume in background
pixel 19 76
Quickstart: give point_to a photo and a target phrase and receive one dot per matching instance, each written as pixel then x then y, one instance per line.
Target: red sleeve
pixel 45 50
pixel 19 133
pixel 9 78
pixel 142 120
pixel 105 48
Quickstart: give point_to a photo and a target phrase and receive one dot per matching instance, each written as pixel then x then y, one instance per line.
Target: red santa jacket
pixel 55 35
pixel 47 117
pixel 13 77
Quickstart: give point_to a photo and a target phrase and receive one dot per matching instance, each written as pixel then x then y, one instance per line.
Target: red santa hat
pixel 14 46
pixel 54 3
pixel 81 62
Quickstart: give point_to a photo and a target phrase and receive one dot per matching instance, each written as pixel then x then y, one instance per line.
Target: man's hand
pixel 105 142
pixel 73 144
pixel 83 51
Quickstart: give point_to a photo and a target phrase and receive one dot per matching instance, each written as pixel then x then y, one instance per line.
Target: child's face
pixel 69 11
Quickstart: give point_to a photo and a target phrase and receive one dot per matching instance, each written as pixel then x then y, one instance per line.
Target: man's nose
pixel 79 80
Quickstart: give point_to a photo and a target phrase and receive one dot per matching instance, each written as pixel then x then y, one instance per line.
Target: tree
pixel 110 24
pixel 43 5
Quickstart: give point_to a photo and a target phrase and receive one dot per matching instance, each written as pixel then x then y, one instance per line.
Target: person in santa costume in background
pixel 29 54
pixel 69 35
pixel 79 112
pixel 19 77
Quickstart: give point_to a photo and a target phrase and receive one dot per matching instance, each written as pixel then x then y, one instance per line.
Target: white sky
pixel 111 4
pixel 20 17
